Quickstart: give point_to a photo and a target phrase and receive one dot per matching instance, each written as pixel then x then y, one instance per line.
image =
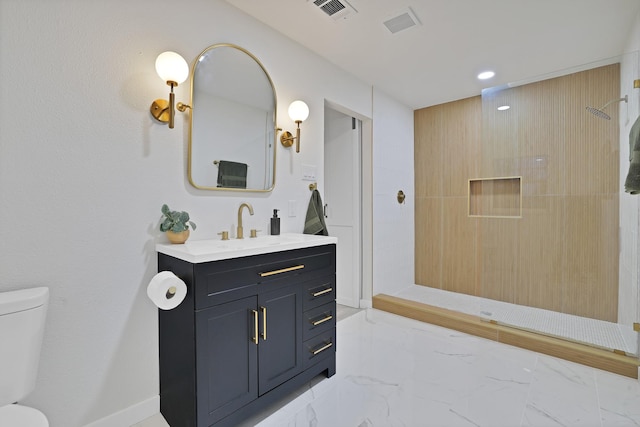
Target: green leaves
pixel 175 221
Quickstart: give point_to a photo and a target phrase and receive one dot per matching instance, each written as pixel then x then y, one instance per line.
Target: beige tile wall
pixel 563 253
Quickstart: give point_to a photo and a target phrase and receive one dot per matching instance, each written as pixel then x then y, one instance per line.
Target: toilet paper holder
pixel 166 290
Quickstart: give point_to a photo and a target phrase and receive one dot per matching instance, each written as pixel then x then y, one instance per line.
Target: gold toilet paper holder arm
pixel 171 292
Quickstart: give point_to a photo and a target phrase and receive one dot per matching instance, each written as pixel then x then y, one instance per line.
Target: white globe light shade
pixel 298 110
pixel 170 66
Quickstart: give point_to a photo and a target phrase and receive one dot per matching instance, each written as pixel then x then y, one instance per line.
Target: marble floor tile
pixel 393 371
pixel 154 421
pixel 564 393
pixel 619 399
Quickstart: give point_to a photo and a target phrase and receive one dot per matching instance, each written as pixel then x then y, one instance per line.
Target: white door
pixel 342 198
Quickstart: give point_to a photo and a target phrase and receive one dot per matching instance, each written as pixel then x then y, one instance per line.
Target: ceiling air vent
pixel 337 9
pixel 402 21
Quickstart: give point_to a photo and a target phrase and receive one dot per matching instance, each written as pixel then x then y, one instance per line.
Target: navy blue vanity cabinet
pixel 250 331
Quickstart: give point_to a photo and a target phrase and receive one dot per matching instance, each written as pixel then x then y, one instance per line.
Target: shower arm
pixel 625 99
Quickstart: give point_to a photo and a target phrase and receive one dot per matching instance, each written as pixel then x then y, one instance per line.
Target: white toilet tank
pixel 22 319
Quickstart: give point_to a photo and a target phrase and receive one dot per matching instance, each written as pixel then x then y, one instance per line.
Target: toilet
pixel 22 318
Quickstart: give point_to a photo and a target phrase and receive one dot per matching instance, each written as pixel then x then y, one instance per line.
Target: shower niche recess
pixel 495 197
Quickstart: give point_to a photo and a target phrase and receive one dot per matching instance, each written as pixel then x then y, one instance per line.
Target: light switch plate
pixel 309 172
pixel 292 208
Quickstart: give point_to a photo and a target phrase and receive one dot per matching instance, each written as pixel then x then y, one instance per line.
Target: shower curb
pixel 474 325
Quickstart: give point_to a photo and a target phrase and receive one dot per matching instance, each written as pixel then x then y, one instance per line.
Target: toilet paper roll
pixel 166 290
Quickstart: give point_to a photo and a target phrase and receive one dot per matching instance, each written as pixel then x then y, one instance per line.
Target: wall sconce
pixel 298 111
pixel 173 69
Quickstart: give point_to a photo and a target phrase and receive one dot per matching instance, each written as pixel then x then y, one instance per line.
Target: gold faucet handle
pixel 254 232
pixel 224 234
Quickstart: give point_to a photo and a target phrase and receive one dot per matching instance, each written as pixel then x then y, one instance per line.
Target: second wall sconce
pixel 173 69
pixel 298 111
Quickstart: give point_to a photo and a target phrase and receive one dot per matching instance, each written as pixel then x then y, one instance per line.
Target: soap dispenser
pixel 275 223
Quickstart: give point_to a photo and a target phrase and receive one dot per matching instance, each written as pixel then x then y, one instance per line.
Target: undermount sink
pixel 196 251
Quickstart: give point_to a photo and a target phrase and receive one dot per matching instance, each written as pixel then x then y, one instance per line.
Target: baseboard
pixel 349 302
pixel 131 415
pixel 579 353
pixel 366 303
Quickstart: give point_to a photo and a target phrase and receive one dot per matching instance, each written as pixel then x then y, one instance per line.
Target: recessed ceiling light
pixel 486 75
pixel 503 107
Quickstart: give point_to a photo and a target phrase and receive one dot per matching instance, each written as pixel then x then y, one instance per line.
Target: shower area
pixel 521 216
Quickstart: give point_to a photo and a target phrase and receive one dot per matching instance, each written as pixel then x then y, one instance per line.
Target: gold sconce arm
pixel 163 110
pixel 287 138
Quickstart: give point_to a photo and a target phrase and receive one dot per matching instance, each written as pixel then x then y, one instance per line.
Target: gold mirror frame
pixel 222 132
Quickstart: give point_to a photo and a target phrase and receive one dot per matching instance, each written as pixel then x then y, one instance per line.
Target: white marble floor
pixel 394 371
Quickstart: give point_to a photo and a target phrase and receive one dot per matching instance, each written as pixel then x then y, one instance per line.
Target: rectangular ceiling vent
pixel 336 9
pixel 402 21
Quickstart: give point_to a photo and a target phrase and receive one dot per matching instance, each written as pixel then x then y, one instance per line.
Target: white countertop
pixel 198 251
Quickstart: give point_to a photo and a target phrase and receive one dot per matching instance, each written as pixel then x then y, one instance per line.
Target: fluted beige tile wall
pixel 562 254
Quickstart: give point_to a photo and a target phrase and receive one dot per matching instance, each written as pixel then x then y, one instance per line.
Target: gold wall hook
pixel 401 196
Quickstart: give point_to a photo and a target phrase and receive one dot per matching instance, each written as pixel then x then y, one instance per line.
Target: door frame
pixel 365 193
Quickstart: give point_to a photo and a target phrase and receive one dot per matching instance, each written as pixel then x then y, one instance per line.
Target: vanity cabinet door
pixel 280 351
pixel 226 359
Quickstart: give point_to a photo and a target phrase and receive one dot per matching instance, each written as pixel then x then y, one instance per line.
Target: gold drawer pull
pixel 255 326
pixel 326 291
pixel 323 348
pixel 284 270
pixel 317 322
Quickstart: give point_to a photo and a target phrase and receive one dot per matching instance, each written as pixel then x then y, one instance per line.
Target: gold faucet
pixel 239 234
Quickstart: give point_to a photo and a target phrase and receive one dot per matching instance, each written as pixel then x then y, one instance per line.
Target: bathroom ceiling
pixel 437 60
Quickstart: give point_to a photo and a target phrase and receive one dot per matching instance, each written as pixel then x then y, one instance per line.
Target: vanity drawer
pixel 319 291
pixel 319 348
pixel 318 320
pixel 218 282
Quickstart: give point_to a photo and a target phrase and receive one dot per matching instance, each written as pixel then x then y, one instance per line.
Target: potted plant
pixel 176 225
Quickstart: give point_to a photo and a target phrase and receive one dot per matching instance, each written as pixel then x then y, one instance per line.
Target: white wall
pixel 84 170
pixel 393 231
pixel 629 280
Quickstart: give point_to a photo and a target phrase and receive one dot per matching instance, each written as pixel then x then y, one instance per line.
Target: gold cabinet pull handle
pixel 326 319
pixel 255 326
pixel 326 291
pixel 284 270
pixel 323 348
pixel 264 322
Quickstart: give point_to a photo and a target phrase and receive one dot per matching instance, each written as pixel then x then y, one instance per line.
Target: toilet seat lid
pixel 22 416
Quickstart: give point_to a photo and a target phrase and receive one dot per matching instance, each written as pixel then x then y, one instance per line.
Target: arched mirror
pixel 232 134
